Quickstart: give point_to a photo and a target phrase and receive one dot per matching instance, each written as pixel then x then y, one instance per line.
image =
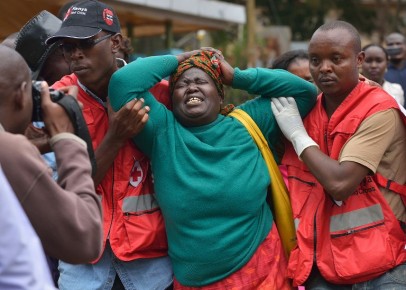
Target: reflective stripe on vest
pixel 141 203
pixel 297 221
pixel 360 217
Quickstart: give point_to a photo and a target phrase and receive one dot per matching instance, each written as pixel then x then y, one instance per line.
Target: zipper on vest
pixel 151 211
pixel 314 238
pixel 325 142
pixel 303 181
pixel 350 232
pixel 112 201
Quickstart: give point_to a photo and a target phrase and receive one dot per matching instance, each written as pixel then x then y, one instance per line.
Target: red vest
pixel 361 239
pixel 132 219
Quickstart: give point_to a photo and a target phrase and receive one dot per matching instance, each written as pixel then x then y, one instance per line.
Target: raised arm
pixel 137 78
pixel 276 83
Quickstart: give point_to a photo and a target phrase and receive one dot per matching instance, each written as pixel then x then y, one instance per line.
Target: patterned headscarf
pixel 204 60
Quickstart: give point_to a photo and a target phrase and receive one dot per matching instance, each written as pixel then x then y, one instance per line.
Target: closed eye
pixel 201 81
pixel 337 58
pixel 180 85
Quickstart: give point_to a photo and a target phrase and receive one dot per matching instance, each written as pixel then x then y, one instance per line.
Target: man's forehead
pixel 331 34
pixel 395 38
pixel 331 39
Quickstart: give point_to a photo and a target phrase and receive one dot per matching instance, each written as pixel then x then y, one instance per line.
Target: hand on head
pixel 227 71
pixel 185 55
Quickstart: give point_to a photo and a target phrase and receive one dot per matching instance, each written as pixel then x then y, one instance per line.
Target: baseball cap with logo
pixel 85 19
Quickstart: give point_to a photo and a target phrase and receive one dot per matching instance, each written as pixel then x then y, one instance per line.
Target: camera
pixel 36 100
pixel 74 111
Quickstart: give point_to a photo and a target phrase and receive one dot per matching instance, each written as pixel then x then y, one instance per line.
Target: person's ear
pixel 360 58
pixel 117 40
pixel 20 96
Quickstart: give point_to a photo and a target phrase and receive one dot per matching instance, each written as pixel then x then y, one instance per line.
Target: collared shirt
pixel 90 93
pixel 22 260
pixel 395 75
pixel 395 90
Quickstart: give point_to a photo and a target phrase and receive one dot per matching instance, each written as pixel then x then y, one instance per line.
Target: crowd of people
pixel 170 192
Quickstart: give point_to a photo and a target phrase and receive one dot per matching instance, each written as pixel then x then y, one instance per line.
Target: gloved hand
pixel 289 120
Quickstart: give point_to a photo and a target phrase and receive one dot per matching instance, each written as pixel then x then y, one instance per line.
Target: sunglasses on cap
pixel 82 44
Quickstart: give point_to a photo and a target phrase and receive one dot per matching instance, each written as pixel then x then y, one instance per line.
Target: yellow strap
pixel 282 209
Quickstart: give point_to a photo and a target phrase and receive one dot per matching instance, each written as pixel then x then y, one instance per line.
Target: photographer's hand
pixel 55 117
pixel 72 91
pixel 38 137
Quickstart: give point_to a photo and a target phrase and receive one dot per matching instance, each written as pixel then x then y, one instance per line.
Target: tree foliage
pixel 303 17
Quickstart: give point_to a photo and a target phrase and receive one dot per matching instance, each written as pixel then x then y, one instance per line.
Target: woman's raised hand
pixel 227 71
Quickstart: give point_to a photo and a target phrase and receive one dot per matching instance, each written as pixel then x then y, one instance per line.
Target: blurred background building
pixel 249 32
pixel 154 26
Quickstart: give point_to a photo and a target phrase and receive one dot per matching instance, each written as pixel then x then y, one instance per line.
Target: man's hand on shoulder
pixel 128 121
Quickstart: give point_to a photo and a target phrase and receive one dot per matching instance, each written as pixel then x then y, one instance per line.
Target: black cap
pixel 85 19
pixel 30 41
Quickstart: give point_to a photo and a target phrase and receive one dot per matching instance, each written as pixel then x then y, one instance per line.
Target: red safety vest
pixel 361 239
pixel 132 219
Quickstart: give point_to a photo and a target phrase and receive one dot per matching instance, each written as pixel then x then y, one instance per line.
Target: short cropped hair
pixel 339 24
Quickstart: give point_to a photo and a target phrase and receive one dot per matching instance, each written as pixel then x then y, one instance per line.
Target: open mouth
pixel 193 101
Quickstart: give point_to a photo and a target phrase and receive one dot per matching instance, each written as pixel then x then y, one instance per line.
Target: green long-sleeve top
pixel 210 181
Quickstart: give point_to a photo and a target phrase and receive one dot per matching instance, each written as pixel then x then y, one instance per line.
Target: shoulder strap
pixel 74 111
pixel 282 209
pixel 391 185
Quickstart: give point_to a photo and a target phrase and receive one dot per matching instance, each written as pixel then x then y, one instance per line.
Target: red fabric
pixel 266 270
pixel 131 236
pixel 376 247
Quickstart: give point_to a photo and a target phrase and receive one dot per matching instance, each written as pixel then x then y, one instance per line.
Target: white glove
pixel 289 120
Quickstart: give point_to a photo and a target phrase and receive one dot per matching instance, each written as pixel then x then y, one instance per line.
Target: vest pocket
pixel 369 247
pixel 145 231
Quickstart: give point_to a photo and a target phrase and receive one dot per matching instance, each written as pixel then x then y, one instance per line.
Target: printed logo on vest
pixel 137 174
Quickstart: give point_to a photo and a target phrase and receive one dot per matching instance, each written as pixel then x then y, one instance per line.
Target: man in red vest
pixel 346 173
pixel 134 243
